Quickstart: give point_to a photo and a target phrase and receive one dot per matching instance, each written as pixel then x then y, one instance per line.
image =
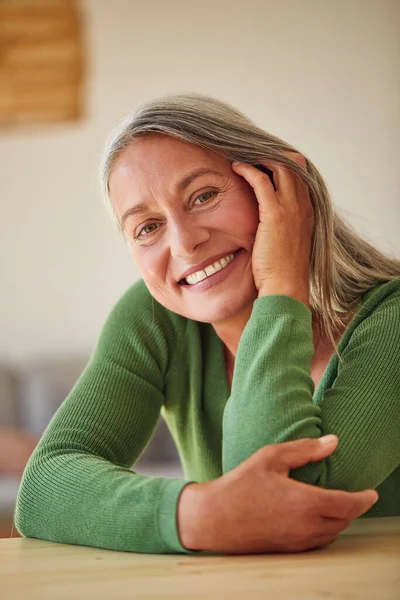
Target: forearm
pixel 75 498
pixel 272 396
pixel 271 399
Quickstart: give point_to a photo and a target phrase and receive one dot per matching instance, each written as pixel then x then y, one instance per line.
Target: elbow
pixel 29 514
pixel 23 517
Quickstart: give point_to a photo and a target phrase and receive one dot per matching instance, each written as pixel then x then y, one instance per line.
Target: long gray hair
pixel 343 266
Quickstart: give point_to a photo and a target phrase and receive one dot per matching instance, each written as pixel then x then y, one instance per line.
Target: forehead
pixel 157 154
pixel 154 164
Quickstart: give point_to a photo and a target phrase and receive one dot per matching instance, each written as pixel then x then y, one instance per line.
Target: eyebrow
pixel 181 186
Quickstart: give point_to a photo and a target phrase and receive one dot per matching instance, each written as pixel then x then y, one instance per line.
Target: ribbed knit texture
pixel 78 486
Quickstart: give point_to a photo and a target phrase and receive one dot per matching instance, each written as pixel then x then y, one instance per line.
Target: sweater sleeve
pixel 272 394
pixel 77 487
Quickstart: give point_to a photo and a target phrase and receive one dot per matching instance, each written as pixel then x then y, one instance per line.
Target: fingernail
pixel 328 439
pixel 235 163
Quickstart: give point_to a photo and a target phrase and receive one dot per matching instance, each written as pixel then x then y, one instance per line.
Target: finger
pixel 290 186
pixel 321 541
pixel 261 184
pixel 301 191
pixel 311 542
pixel 296 156
pixel 330 526
pixel 286 183
pixel 291 455
pixel 346 505
pixel 288 192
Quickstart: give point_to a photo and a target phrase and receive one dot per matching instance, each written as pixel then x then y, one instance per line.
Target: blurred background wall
pixel 323 75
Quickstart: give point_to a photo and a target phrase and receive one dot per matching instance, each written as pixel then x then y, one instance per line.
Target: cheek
pixel 241 213
pixel 151 264
pixel 250 218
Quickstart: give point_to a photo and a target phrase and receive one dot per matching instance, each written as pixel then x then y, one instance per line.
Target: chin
pixel 221 310
pixel 214 307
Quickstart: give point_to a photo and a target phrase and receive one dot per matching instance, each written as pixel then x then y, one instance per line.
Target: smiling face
pixel 190 223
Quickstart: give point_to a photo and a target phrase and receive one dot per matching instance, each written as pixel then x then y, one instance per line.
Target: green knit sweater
pixel 78 486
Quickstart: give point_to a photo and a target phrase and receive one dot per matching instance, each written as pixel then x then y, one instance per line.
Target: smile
pixel 216 266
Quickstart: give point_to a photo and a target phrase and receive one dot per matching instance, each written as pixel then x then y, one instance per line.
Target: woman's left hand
pixel 282 247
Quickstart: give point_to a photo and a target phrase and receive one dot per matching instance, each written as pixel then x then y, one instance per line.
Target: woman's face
pixel 190 223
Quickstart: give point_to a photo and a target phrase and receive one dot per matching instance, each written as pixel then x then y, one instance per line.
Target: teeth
pixel 209 270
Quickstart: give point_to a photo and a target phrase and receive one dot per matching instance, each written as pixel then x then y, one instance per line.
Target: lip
pixel 205 263
pixel 215 279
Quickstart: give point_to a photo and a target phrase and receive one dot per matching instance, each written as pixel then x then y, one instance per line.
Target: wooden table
pixel 362 564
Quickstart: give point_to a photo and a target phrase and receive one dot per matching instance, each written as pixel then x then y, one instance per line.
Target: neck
pixel 230 330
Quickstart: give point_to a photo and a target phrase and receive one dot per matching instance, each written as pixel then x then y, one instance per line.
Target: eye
pixel 203 198
pixel 147 229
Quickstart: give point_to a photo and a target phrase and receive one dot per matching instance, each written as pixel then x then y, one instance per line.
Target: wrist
pixel 191 517
pixel 283 289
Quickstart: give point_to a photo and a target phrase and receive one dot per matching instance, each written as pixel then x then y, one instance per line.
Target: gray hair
pixel 343 266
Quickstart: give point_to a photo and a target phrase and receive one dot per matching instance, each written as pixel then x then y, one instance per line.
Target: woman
pixel 261 319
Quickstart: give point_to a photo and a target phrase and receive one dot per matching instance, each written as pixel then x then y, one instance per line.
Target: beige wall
pixel 323 75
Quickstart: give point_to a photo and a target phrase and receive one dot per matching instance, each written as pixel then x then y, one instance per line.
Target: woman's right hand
pixel 258 508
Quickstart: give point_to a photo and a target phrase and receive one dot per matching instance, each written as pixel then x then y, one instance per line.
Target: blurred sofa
pixel 31 394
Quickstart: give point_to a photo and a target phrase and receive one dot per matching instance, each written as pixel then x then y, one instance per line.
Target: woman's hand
pixel 282 247
pixel 257 508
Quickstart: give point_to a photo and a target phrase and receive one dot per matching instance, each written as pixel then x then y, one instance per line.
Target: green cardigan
pixel 78 486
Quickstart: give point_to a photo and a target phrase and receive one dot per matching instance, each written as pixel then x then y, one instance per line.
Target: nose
pixel 185 237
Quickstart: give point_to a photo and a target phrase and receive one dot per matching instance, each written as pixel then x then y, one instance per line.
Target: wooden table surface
pixel 363 564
